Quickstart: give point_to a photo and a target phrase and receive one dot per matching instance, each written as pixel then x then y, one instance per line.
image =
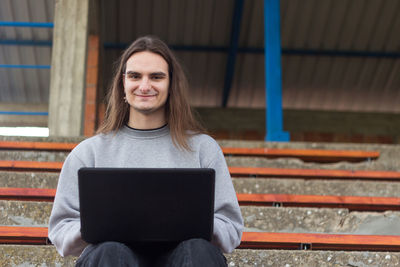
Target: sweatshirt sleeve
pixel 64 224
pixel 228 221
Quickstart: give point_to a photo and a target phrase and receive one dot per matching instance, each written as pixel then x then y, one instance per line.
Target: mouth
pixel 144 95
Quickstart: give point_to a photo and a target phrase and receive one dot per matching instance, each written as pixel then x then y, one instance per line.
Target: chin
pixel 144 110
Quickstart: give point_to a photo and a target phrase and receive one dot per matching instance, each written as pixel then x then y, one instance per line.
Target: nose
pixel 145 85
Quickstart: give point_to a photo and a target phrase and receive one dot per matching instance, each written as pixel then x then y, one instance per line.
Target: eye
pixel 133 76
pixel 157 76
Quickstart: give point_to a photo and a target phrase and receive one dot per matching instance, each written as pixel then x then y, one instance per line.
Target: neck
pixel 143 121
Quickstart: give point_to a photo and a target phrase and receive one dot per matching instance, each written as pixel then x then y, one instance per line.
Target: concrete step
pixel 242 185
pixel 32 155
pixel 28 179
pixel 46 256
pixel 320 220
pixel 57 139
pixel 292 163
pixel 24 213
pixel 257 219
pixel 301 258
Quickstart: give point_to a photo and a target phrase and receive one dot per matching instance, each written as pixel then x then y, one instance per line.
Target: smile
pixel 144 95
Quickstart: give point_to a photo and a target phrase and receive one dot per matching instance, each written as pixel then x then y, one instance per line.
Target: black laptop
pixel 145 205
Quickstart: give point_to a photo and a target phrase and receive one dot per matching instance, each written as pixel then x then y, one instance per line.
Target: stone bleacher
pixel 257 218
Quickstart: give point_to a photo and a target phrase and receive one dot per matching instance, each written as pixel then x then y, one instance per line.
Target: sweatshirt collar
pixel 144 134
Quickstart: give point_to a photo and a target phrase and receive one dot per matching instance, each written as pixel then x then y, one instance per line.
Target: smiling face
pixel 146 83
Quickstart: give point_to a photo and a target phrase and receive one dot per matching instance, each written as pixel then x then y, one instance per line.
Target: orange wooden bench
pixel 353 203
pixel 263 240
pixel 313 173
pixel 48 146
pixel 13 165
pixel 23 235
pixel 27 194
pixel 250 240
pixel 315 155
pixel 350 202
pixel 16 165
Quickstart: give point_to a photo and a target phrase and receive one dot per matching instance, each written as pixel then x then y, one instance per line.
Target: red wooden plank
pixel 23 235
pixel 353 203
pixel 21 145
pixel 15 165
pixel 314 173
pixel 235 171
pixel 316 155
pixel 263 240
pixel 27 194
pixel 253 240
pixel 349 202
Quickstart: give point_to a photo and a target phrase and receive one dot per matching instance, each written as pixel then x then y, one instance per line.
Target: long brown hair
pixel 179 116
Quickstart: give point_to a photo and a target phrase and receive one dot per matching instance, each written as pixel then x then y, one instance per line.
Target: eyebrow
pixel 159 73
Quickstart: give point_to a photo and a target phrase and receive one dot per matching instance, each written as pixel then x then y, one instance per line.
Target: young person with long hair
pixel 148 123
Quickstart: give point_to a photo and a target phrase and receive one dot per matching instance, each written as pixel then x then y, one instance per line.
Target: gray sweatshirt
pixel 147 149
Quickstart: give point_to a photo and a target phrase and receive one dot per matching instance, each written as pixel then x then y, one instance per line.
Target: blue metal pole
pixel 24 66
pixel 31 113
pixel 26 24
pixel 233 49
pixel 273 73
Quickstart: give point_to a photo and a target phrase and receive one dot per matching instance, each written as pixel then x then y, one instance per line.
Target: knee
pixel 198 252
pixel 107 254
pixel 111 246
pixel 196 244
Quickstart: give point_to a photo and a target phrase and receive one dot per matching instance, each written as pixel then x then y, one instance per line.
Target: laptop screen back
pixel 146 205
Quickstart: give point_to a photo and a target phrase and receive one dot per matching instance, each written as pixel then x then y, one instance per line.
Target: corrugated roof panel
pixel 309 81
pixel 161 23
pixel 214 81
pixel 222 21
pixel 174 35
pixel 351 25
pixel 316 31
pixel 384 24
pixel 26 85
pixel 393 38
pixel 390 100
pixel 251 32
pixel 197 64
pixel 143 18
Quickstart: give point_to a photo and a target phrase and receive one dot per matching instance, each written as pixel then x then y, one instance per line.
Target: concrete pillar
pixel 68 67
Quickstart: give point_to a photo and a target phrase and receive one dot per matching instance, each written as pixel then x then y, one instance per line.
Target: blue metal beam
pixel 26 24
pixel 30 113
pixel 233 49
pixel 225 49
pixel 26 42
pixel 285 51
pixel 341 53
pixel 24 66
pixel 273 73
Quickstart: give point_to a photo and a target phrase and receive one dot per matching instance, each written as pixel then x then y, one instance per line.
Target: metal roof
pixel 25 85
pixel 337 54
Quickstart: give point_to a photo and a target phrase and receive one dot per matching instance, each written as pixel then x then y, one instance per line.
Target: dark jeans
pixel 193 252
